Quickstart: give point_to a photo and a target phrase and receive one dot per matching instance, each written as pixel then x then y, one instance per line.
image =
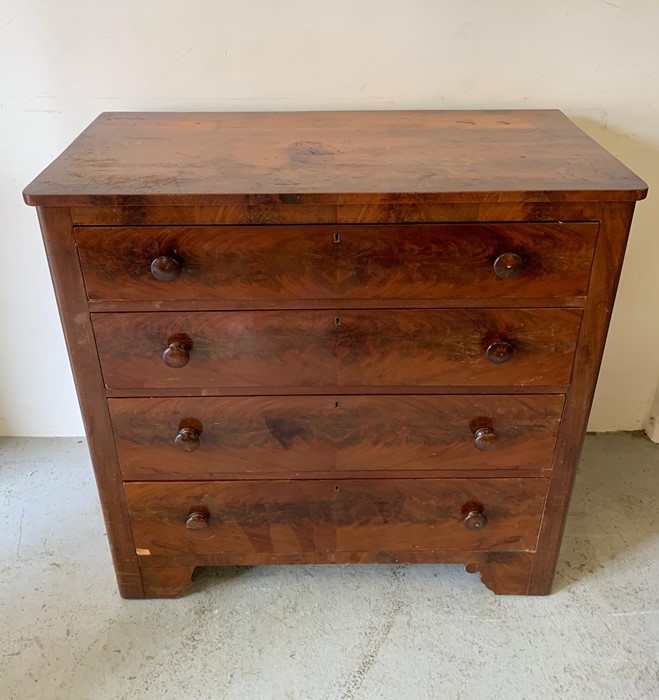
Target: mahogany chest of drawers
pixel 335 337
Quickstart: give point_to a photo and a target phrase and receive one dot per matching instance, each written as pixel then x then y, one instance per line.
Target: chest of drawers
pixel 335 337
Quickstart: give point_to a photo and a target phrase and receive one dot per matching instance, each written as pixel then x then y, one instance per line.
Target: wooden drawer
pixel 210 438
pixel 351 348
pixel 244 517
pixel 261 263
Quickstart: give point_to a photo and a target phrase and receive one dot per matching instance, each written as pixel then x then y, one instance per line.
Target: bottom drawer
pixel 306 516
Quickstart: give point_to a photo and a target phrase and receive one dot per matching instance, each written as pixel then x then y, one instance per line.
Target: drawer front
pixel 209 438
pixel 261 263
pixel 243 517
pixel 407 348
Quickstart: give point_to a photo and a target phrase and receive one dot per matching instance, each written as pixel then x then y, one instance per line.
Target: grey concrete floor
pixel 341 632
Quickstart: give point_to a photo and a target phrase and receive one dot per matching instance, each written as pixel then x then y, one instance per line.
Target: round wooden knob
pixel 166 268
pixel 197 520
pixel 176 355
pixel 475 519
pixel 508 265
pixel 485 439
pixel 187 439
pixel 499 352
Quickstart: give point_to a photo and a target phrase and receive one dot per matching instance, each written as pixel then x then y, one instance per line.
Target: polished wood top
pixel 211 158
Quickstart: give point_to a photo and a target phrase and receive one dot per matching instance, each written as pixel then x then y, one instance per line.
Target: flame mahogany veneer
pixel 335 337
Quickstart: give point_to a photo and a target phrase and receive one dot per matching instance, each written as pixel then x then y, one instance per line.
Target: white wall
pixel 64 61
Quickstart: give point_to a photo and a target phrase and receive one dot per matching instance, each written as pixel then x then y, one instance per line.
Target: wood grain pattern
pixel 346 390
pixel 342 158
pixel 502 572
pixel 332 387
pixel 101 306
pixel 512 577
pixel 319 348
pixel 417 556
pixel 336 262
pixel 269 214
pixel 319 516
pixel 164 580
pixel 607 264
pixel 263 436
pixel 70 293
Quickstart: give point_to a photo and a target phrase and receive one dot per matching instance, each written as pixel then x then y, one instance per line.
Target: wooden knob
pixel 197 520
pixel 475 519
pixel 499 352
pixel 485 439
pixel 166 268
pixel 508 265
pixel 176 355
pixel 187 439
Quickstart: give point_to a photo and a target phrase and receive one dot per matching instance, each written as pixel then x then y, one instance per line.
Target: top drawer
pixel 276 263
